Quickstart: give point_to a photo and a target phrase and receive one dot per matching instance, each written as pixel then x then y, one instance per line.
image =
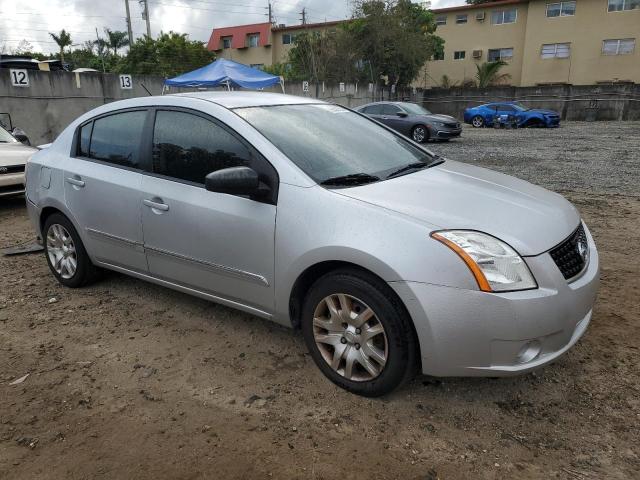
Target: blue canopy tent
pixel 227 73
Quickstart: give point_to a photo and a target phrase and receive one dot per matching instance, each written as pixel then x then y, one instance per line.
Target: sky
pixel 33 20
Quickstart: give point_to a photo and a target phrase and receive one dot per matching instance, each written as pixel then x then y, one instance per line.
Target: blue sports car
pixel 484 115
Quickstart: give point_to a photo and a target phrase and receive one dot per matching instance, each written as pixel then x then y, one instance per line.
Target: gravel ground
pixel 131 380
pixel 592 157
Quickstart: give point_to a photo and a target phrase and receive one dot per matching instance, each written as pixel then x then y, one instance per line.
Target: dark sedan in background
pixel 413 120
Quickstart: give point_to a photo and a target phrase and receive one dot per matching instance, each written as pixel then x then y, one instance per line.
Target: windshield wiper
pixel 435 160
pixel 351 179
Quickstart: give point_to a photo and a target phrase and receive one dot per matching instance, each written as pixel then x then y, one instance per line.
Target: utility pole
pixel 270 14
pixel 304 16
pixel 101 50
pixel 145 15
pixel 129 30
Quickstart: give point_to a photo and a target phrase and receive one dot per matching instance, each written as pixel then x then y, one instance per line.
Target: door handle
pixel 76 182
pixel 156 205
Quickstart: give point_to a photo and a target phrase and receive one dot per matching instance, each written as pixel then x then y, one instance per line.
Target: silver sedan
pixel 388 258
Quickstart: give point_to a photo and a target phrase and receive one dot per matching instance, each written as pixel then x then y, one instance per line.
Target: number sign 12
pixel 125 82
pixel 19 78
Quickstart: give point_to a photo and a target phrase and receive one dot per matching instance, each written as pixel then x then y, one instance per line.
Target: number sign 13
pixel 125 82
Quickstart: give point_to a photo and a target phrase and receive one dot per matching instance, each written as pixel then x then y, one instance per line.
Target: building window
pixel 623 46
pixel 561 9
pixel 438 55
pixel 288 39
pixel 226 42
pixel 496 54
pixel 499 17
pixel 459 55
pixel 620 5
pixel 441 20
pixel 556 50
pixel 254 39
pixel 462 18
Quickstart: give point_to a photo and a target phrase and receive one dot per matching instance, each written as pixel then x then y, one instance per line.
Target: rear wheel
pixel 477 121
pixel 358 333
pixel 65 253
pixel 420 134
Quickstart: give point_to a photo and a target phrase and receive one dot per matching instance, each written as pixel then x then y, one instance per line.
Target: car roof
pixel 249 99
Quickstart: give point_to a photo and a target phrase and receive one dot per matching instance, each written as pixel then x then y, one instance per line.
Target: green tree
pixel 63 39
pixel 395 38
pixel 169 55
pixel 488 73
pixel 115 40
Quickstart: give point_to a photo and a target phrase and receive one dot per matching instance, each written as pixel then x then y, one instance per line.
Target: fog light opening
pixel 529 351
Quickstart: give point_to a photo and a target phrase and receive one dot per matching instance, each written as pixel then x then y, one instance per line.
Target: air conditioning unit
pixel 477 54
pixel 480 17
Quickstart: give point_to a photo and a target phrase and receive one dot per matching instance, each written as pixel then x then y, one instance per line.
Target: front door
pixel 215 243
pixel 102 183
pixel 391 118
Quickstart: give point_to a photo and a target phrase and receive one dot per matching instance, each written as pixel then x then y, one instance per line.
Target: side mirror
pixel 402 114
pixel 19 135
pixel 234 181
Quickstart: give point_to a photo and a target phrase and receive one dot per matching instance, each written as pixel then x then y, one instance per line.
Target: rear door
pixel 102 187
pixel 217 243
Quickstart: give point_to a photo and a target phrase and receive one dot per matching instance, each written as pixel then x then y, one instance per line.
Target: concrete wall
pixel 605 102
pixel 55 99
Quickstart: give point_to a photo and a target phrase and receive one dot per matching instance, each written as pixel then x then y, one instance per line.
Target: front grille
pixel 571 255
pixel 452 125
pixel 11 169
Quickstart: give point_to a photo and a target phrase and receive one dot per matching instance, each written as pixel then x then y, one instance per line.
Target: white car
pixel 13 158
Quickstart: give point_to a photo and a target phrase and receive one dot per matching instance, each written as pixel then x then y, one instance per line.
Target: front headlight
pixel 495 265
pixel 438 124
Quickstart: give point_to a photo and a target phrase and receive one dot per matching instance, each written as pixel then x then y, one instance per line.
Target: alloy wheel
pixel 61 251
pixel 350 337
pixel 477 121
pixel 419 134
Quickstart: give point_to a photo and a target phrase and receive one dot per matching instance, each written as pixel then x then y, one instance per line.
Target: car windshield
pixel 520 107
pixel 329 142
pixel 6 137
pixel 415 109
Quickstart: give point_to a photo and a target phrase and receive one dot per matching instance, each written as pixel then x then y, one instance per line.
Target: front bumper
pixel 11 184
pixel 449 133
pixel 473 333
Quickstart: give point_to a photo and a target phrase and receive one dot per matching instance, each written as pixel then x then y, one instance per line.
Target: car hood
pixel 455 195
pixel 439 118
pixel 542 111
pixel 14 154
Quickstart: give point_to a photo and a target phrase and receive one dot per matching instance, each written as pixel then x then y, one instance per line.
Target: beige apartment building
pixel 578 42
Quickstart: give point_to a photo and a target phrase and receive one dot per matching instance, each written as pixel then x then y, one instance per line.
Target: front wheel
pixel 359 333
pixel 477 121
pixel 420 134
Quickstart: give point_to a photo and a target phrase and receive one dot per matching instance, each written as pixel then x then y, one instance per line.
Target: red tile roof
pixel 239 35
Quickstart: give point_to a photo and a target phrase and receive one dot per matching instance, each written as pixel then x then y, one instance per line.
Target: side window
pixel 506 108
pixel 374 110
pixel 85 139
pixel 116 138
pixel 189 147
pixel 389 109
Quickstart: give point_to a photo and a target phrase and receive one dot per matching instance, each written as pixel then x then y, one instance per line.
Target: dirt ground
pixel 130 380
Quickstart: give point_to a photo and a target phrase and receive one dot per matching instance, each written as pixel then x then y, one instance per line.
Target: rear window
pixel 116 138
pixel 85 139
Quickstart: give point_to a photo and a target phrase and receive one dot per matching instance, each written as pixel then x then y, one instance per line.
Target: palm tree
pixel 116 39
pixel 489 73
pixel 63 39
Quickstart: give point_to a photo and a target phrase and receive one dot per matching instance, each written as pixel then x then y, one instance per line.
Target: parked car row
pixel 13 158
pixel 389 258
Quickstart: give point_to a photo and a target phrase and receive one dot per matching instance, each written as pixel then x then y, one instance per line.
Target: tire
pixel 477 121
pixel 327 339
pixel 58 230
pixel 420 134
